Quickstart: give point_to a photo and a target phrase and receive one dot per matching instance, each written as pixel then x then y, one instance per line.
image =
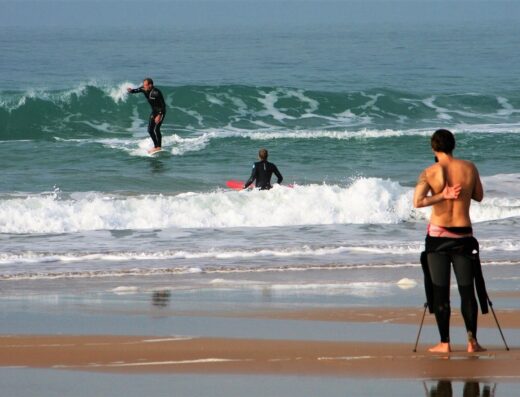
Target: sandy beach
pixel 126 341
pixel 215 355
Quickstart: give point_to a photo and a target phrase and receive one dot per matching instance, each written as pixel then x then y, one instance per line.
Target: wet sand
pixel 507 318
pixel 222 355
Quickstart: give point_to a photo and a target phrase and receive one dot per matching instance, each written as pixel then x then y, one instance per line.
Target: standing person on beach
pixel 448 186
pixel 156 100
pixel 262 172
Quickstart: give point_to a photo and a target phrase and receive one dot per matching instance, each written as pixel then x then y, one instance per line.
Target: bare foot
pixel 440 348
pixel 474 347
pixel 154 150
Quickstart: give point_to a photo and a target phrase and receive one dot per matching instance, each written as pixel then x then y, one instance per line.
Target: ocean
pixel 343 94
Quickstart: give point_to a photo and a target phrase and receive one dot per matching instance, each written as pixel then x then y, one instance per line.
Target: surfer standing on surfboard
pixel 262 172
pixel 156 100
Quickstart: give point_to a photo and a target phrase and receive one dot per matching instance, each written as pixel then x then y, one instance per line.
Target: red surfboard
pixel 239 185
pixel 235 185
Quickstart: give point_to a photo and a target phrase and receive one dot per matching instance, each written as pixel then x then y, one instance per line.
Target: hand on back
pixel 451 192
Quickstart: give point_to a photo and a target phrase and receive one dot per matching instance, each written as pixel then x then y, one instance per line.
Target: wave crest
pixel 72 113
pixel 363 201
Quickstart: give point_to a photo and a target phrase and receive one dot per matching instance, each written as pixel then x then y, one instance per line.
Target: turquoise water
pixel 344 95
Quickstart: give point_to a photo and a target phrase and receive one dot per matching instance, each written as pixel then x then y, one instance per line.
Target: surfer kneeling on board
pixel 262 172
pixel 156 100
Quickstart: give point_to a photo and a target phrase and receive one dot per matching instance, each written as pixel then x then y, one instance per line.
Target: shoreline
pixel 508 318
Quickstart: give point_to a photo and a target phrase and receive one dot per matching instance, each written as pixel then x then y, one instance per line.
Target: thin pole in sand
pixel 498 325
pixel 420 328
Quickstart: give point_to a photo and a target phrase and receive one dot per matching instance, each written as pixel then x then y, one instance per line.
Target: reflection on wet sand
pixel 443 388
pixel 161 298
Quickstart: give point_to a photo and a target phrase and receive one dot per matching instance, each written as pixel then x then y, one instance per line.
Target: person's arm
pixel 478 190
pixel 421 197
pixel 251 178
pixel 134 90
pixel 278 175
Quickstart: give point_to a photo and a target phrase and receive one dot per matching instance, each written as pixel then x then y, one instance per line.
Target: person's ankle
pixel 473 345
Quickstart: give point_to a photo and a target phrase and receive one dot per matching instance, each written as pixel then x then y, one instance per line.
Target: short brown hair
pixel 443 141
pixel 263 153
pixel 148 80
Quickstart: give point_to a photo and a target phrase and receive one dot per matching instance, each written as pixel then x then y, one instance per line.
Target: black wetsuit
pixel 156 101
pixel 262 172
pixel 440 253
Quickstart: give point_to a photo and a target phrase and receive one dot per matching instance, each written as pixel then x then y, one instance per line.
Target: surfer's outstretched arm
pixel 134 90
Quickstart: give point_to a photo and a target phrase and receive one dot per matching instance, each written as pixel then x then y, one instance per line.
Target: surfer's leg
pixel 439 266
pixel 463 267
pixel 158 135
pixel 152 131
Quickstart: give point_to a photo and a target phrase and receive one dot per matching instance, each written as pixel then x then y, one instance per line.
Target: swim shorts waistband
pixel 449 231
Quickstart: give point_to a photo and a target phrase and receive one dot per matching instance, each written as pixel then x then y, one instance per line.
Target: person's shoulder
pixel 467 164
pixel 433 169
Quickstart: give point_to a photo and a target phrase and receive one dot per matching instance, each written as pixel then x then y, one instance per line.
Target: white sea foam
pixel 269 100
pixel 172 339
pixel 199 139
pixel 443 113
pixel 179 145
pixel 345 358
pixel 214 100
pixel 118 93
pixel 158 363
pixel 364 201
pixel 407 283
pixel 360 288
pixel 382 248
pixel 488 128
pixel 503 185
pixel 14 102
pixel 353 288
pixel 125 290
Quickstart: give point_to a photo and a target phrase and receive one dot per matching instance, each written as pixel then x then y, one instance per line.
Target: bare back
pixel 450 171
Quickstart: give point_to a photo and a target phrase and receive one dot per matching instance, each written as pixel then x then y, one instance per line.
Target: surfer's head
pixel 147 84
pixel 262 154
pixel 443 141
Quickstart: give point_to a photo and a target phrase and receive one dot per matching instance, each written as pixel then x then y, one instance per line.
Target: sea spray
pixel 363 201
